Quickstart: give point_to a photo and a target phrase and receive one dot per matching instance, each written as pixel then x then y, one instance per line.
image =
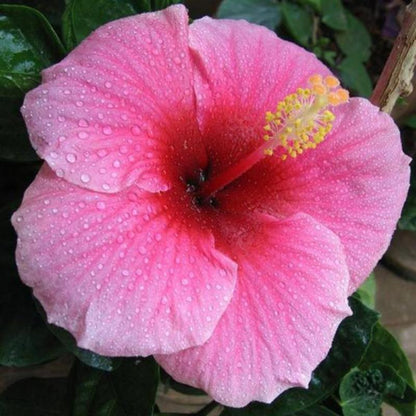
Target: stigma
pixel 304 118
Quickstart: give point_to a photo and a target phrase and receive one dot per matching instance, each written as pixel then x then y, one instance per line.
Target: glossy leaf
pixel 27 45
pixel 261 12
pixel 385 349
pixel 362 391
pixel 354 76
pixel 129 390
pixel 350 343
pixel 334 15
pixel 81 17
pixel 298 22
pixel 355 41
pixel 34 397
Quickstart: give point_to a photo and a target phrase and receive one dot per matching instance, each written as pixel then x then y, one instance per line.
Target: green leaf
pixel 385 349
pixel 161 4
pixel 14 141
pixel 350 343
pixel 354 75
pixel 34 397
pixel 362 391
pixel 81 17
pixel 367 291
pixel 316 411
pixel 355 41
pixel 24 338
pixel 298 22
pixel 129 390
pixel 261 12
pixel 315 4
pixel 410 121
pixel 27 45
pixel 334 15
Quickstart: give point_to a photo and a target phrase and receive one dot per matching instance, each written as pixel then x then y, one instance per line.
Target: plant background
pixel 43 372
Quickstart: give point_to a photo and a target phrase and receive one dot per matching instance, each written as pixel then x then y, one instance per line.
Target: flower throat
pixel 301 121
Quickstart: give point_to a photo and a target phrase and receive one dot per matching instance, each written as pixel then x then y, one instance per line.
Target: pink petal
pixel 289 299
pixel 241 71
pixel 118 271
pixel 354 183
pixel 118 108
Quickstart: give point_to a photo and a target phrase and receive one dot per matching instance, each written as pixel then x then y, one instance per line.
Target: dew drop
pixel 71 158
pixel 60 173
pixel 107 130
pixel 85 178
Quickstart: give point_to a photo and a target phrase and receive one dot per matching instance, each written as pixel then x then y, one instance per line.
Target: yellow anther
pixel 269 116
pixel 303 119
pixel 319 89
pixel 331 81
pixel 343 95
pixel 315 79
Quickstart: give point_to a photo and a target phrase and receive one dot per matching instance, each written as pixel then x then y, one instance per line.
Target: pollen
pixel 304 118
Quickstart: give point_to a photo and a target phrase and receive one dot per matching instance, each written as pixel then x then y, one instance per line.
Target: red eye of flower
pixel 163 223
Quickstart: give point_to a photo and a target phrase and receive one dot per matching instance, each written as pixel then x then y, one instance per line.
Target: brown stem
pixel 396 78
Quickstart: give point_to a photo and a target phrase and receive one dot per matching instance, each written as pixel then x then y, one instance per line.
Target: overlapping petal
pixel 291 295
pixel 239 295
pixel 355 183
pixel 120 107
pixel 118 271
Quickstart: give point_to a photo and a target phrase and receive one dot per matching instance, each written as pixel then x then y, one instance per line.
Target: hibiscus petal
pixel 289 299
pixel 103 117
pixel 241 71
pixel 355 183
pixel 118 271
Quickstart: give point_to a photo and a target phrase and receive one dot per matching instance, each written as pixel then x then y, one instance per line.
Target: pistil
pixel 301 121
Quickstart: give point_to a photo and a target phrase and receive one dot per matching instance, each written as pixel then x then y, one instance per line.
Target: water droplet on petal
pixel 85 178
pixel 107 130
pixel 71 158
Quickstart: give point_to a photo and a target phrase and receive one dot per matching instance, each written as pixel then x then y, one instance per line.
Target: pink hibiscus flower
pixel 150 229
